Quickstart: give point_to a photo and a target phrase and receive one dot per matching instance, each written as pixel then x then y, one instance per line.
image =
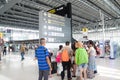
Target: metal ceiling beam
pixel 18 26
pixel 17 22
pixel 49 7
pixel 83 17
pixel 3 1
pixel 23 5
pixel 23 8
pixel 101 9
pixel 22 14
pixel 38 11
pixel 19 17
pixel 35 5
pixel 112 6
pixel 74 23
pixel 116 3
pixel 85 12
pixel 81 9
pixel 8 5
pixel 75 8
pixel 40 2
pixel 79 19
pixel 25 11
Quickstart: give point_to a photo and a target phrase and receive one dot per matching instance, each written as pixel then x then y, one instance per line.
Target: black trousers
pixel 4 52
pixel 66 65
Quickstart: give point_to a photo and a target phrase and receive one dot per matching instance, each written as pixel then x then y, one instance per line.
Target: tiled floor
pixel 11 68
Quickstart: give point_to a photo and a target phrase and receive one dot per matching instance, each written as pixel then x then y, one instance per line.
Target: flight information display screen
pixel 56 29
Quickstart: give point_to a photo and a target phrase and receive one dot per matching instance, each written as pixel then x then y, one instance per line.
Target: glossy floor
pixel 11 68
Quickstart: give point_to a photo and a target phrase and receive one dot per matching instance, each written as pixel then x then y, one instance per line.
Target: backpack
pixel 65 56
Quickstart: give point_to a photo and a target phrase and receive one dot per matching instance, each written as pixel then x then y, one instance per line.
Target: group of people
pixel 79 59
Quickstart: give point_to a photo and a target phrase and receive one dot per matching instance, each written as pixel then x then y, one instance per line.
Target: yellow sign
pixel 85 29
pixel 1 34
pixel 52 11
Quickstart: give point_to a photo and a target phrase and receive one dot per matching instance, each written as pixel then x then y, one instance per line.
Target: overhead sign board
pixel 63 10
pixel 56 29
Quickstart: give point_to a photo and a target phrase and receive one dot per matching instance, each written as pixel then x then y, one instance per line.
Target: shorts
pixel 78 68
pixel 83 66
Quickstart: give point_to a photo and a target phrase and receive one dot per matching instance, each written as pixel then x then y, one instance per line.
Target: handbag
pixel 59 68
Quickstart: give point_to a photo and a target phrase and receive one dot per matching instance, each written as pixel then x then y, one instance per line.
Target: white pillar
pixel 40 23
pixel 102 23
pixel 103 31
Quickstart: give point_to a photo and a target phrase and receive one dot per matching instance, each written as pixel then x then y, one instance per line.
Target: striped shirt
pixel 41 53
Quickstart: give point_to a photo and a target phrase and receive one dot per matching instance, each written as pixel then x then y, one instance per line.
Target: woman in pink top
pixel 58 60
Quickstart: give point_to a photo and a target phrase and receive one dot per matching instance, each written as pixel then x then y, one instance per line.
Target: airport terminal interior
pixel 93 23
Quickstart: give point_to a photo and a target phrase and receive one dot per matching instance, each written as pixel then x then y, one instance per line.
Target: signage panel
pixel 56 29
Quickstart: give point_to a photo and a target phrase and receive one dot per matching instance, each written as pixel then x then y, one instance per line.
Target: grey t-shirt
pixel 92 51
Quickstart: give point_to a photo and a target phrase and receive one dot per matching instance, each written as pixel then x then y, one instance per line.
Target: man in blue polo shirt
pixel 42 55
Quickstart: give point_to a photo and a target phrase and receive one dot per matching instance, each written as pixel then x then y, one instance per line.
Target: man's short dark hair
pixel 42 40
pixel 67 43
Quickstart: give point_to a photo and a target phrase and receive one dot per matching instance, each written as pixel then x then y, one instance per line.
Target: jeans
pixel 43 73
pixel 66 65
pixel 91 63
pixel 22 56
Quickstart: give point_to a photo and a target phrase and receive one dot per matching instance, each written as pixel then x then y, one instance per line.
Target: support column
pixel 102 42
pixel 102 24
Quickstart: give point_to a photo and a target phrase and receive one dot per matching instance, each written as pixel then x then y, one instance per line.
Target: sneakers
pixel 74 76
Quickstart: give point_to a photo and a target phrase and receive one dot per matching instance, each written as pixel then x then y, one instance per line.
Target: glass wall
pixel 10 33
pixel 22 35
pixel 99 35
